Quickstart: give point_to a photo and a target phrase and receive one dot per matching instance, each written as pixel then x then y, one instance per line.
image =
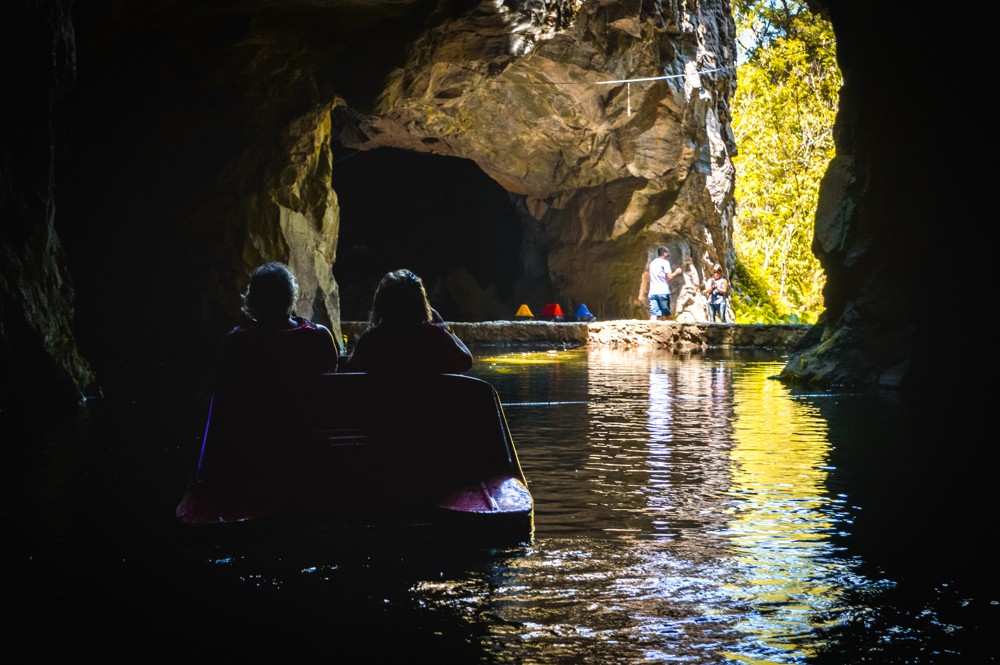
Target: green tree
pixel 783 111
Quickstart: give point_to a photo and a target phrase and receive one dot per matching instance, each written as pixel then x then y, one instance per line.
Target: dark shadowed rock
pixel 154 152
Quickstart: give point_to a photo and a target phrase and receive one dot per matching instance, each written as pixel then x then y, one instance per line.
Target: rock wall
pixel 604 170
pixel 38 350
pixel 885 206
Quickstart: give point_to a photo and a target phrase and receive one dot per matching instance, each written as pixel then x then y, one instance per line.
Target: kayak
pixel 362 450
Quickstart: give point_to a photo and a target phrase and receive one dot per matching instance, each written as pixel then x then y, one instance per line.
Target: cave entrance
pixel 441 217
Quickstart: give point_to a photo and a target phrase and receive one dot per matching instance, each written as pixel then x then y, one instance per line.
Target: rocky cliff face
pixel 603 171
pixel 160 150
pixel 884 203
pixel 39 353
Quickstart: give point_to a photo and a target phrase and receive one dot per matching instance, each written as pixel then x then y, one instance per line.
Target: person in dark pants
pixel 717 290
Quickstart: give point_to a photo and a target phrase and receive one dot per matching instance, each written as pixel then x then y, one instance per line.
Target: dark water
pixel 688 510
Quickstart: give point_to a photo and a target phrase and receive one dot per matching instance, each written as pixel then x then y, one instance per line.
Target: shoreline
pixel 623 333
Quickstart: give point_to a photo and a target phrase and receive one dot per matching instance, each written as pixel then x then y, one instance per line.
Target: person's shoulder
pixel 325 332
pixel 302 322
pixel 323 329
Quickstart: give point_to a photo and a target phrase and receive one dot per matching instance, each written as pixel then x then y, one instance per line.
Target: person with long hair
pixel 405 334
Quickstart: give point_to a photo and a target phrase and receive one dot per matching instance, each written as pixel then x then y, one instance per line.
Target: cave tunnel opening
pixel 441 217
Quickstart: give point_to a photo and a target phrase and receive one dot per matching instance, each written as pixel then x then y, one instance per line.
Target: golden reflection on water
pixel 781 514
pixel 499 361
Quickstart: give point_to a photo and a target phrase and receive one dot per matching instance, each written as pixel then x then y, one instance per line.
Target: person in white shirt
pixel 660 275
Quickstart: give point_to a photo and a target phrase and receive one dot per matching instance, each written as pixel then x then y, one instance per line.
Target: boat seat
pixel 343 442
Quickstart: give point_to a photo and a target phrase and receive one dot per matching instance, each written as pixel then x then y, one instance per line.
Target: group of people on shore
pixel 405 334
pixel 655 288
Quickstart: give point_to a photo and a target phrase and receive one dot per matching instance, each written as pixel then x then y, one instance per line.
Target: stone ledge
pixel 622 334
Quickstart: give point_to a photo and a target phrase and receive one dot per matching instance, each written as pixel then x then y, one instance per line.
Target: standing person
pixel 660 275
pixel 406 335
pixel 717 290
pixel 274 345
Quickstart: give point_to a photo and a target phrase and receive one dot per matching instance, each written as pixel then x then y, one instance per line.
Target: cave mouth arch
pixel 441 217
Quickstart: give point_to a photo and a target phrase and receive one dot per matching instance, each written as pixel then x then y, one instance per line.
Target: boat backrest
pixel 418 433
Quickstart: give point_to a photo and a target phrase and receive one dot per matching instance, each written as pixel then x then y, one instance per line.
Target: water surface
pixel 689 509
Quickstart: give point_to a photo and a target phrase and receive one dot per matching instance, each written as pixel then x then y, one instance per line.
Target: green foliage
pixel 752 302
pixel 783 113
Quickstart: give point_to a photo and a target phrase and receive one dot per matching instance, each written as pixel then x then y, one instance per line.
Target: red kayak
pixel 352 449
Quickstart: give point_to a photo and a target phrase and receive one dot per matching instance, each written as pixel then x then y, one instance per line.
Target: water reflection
pixel 683 513
pixel 782 516
pixel 688 509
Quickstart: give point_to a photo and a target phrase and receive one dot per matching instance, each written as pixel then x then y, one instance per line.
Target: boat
pixel 349 450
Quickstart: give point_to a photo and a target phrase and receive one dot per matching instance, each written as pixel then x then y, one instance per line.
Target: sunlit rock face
pixel 257 97
pixel 603 171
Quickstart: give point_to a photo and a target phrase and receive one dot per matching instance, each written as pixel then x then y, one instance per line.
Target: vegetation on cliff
pixel 783 113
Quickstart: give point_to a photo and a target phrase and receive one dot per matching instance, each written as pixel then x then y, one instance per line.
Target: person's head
pixel 717 270
pixel 662 252
pixel 400 298
pixel 271 293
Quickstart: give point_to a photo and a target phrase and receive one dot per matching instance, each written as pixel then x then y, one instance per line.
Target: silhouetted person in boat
pixel 405 334
pixel 274 345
